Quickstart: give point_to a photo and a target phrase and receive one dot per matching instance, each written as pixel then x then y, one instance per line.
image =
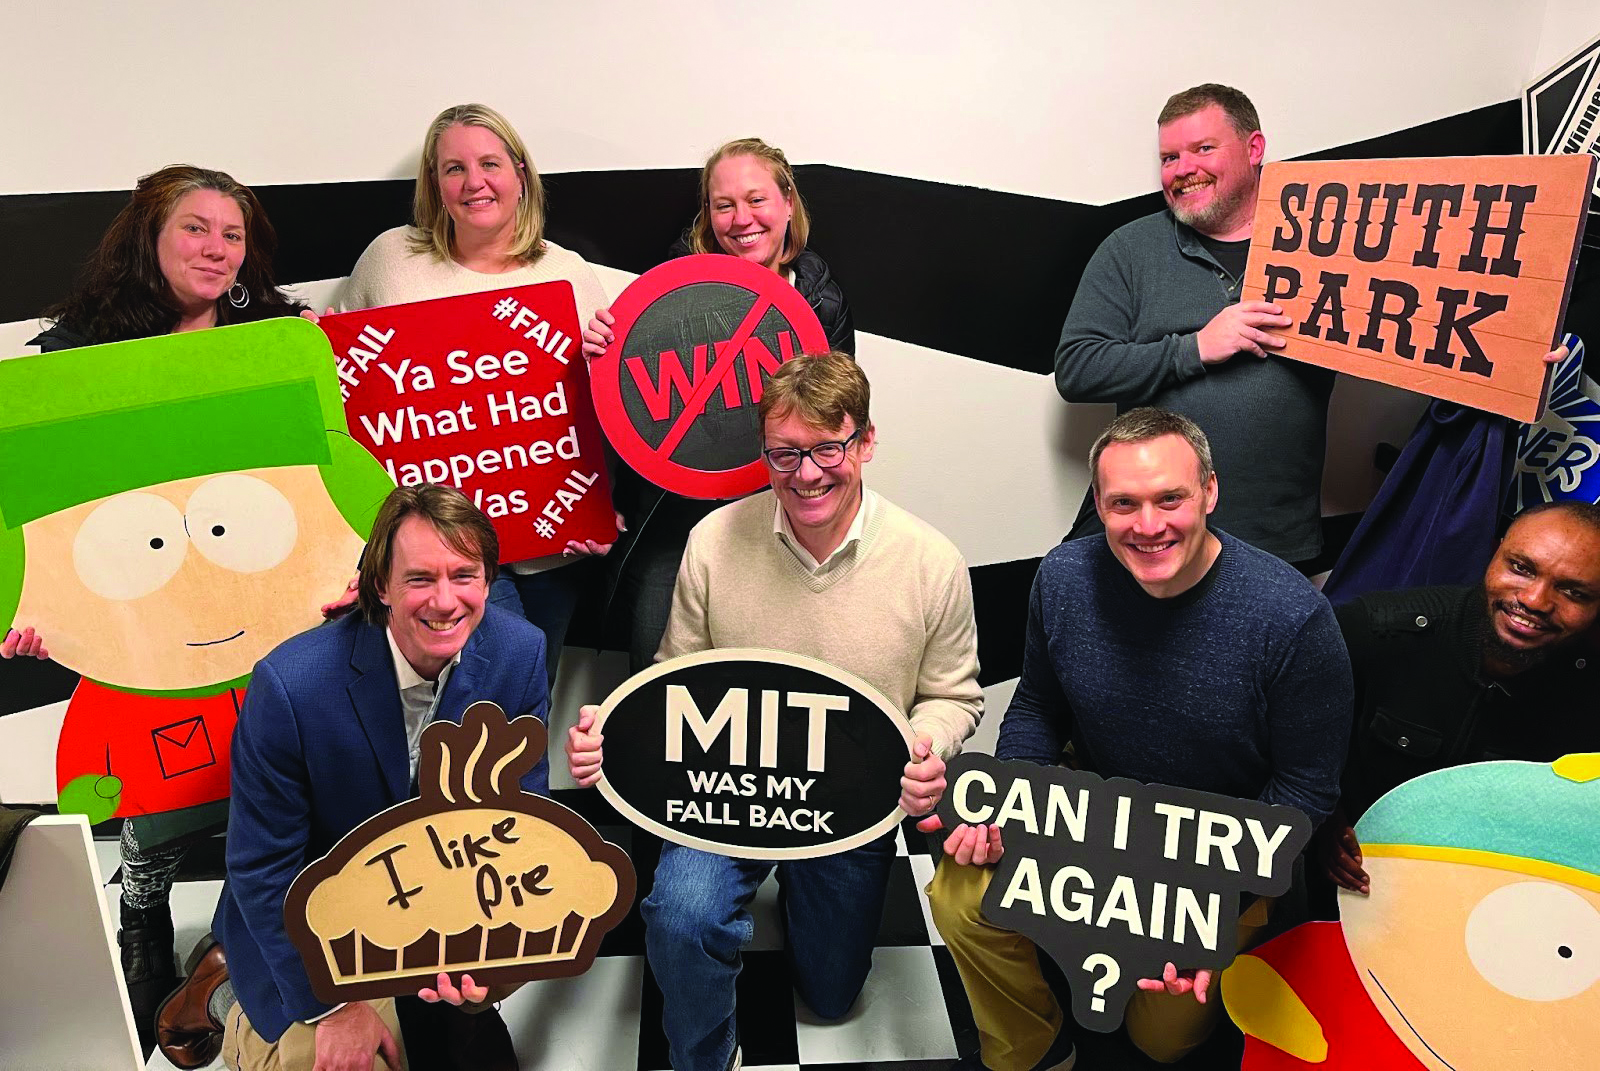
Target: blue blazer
pixel 321 747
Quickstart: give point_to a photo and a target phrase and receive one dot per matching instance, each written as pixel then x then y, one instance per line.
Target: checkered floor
pixel 912 1016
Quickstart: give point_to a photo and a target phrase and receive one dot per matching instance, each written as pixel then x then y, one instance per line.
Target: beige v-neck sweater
pixel 897 613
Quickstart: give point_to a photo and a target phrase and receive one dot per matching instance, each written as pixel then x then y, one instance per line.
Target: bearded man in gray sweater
pixel 1157 320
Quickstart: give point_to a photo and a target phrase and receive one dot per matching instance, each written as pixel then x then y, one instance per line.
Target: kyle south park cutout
pixel 474 875
pixel 181 505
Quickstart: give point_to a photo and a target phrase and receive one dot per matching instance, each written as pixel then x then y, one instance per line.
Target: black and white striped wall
pixel 961 161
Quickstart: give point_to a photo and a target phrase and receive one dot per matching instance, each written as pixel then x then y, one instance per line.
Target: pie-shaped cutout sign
pixel 473 876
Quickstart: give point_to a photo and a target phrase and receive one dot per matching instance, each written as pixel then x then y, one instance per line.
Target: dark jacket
pixel 320 748
pixel 1423 702
pixel 816 284
pixel 1436 518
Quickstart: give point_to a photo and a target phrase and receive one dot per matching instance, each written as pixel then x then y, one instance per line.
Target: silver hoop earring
pixel 238 296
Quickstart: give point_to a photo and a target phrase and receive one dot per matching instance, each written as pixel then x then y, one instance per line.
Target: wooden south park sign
pixel 473 876
pixel 1114 879
pixel 1448 277
pixel 486 392
pixel 677 390
pixel 755 754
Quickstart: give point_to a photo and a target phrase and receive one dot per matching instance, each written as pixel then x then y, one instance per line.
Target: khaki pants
pixel 245 1050
pixel 1018 1016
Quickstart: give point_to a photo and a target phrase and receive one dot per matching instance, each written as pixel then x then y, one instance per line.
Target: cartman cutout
pixel 1478 948
pixel 186 503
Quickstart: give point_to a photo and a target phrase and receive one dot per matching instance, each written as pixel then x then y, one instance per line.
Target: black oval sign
pixel 753 753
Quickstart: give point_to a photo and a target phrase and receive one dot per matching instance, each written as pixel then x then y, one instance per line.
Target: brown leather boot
pixel 185 1029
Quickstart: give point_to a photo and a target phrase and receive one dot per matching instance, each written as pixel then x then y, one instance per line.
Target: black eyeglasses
pixel 826 455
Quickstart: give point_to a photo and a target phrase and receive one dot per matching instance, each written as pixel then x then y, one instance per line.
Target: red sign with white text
pixel 696 339
pixel 486 392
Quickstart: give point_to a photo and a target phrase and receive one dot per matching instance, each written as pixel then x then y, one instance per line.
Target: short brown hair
pixel 1234 104
pixel 1147 423
pixel 702 239
pixel 459 523
pixel 822 388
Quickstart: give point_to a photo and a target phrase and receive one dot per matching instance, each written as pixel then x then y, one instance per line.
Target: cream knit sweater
pixel 389 273
pixel 898 614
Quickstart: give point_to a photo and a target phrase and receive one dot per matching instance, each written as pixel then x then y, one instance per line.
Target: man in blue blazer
pixel 328 736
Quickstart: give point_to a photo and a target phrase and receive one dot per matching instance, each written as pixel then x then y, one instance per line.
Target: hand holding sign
pixel 1115 880
pixel 475 875
pixel 751 753
pixel 1449 277
pixel 1242 328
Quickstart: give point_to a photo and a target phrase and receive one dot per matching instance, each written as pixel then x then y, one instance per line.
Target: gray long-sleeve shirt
pixel 1131 338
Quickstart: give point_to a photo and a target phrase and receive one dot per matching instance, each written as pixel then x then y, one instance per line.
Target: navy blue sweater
pixel 1241 685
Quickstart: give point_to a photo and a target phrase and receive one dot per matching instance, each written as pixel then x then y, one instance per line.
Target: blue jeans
pixel 696 925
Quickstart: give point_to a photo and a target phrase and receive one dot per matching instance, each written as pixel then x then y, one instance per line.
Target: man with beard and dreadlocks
pixel 1450 675
pixel 1158 320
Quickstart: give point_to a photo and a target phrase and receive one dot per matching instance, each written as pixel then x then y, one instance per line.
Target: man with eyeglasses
pixel 827 568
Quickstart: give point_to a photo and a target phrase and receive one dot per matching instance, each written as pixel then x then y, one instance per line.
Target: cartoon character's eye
pixel 241 523
pixel 129 546
pixel 1535 940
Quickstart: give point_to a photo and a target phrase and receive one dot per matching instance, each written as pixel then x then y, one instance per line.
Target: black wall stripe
pixel 26 683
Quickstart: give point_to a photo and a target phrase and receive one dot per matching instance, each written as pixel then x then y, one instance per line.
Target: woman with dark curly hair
pixel 191 249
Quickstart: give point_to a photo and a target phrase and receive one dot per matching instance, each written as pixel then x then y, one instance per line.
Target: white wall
pixel 1034 96
pixel 1565 27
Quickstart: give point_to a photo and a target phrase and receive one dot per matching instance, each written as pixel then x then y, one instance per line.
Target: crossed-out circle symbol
pixel 677 390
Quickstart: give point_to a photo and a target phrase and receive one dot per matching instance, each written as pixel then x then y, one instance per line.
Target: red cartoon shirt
pixel 1315 962
pixel 169 752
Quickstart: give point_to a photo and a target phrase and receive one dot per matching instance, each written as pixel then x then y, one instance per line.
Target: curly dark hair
pixel 121 293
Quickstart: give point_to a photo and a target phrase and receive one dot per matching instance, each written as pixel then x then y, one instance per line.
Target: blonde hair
pixel 435 229
pixel 702 239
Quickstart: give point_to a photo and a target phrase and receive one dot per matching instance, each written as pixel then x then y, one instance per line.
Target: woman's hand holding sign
pixel 598 335
pixel 583 748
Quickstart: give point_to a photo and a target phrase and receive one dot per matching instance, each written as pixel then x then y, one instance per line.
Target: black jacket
pixel 1423 702
pixel 816 284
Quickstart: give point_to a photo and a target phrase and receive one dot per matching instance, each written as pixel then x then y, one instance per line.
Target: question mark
pixel 1104 982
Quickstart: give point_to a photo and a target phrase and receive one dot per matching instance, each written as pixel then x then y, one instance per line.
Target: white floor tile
pixel 587 1023
pixel 899 1016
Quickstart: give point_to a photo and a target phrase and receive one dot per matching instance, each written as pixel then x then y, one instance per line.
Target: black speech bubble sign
pixel 1104 875
pixel 833 775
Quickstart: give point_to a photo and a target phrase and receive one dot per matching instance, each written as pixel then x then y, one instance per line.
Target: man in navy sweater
pixel 1168 653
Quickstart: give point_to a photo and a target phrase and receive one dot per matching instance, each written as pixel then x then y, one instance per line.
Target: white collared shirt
pixel 785 533
pixel 419 698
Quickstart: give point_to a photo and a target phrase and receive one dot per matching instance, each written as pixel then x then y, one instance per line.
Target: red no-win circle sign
pixel 677 391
